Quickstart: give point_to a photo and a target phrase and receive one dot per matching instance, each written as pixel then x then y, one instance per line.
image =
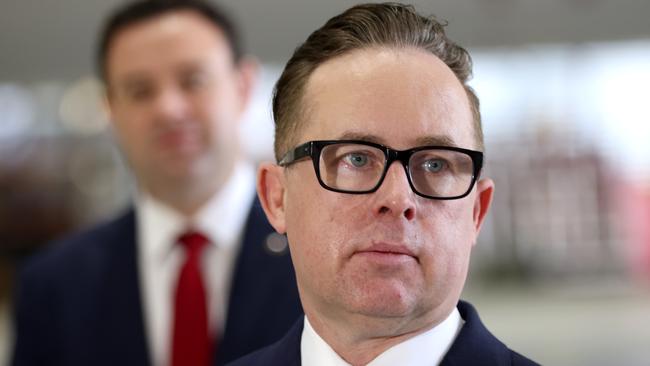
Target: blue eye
pixel 357 160
pixel 434 165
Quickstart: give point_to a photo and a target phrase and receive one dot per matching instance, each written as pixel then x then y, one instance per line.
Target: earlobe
pixel 109 104
pixel 271 190
pixel 107 109
pixel 485 191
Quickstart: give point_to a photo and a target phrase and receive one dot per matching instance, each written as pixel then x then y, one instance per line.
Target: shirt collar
pixel 425 349
pixel 221 218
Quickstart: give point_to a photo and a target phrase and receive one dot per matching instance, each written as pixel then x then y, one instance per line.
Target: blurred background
pixel 562 269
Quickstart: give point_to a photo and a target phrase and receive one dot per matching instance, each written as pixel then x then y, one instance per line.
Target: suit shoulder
pixel 519 360
pixel 67 254
pixel 259 357
pixel 284 352
pixel 275 354
pixel 475 343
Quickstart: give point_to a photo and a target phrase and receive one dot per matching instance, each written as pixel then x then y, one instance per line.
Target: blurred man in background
pixel 186 277
pixel 379 149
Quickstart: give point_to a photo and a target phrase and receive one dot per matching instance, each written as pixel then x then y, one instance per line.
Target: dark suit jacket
pixel 79 303
pixel 475 345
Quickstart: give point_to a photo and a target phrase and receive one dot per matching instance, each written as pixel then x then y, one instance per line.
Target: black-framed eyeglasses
pixel 353 166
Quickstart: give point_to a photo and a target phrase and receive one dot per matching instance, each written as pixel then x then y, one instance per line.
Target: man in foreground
pixel 185 278
pixel 378 189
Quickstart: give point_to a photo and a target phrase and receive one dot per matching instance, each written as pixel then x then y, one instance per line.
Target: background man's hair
pixel 363 26
pixel 142 10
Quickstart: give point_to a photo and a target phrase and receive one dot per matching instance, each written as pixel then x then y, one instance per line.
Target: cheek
pixel 315 228
pixel 222 101
pixel 449 237
pixel 307 218
pixel 129 132
pixel 455 219
pixel 130 121
pixel 220 120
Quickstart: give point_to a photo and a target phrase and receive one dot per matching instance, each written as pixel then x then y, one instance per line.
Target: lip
pixel 387 250
pixel 178 140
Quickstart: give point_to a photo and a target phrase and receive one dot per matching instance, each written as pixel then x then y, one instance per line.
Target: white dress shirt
pixel 425 349
pixel 222 221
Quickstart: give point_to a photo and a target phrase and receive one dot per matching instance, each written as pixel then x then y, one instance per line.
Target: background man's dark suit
pixel 79 303
pixel 475 345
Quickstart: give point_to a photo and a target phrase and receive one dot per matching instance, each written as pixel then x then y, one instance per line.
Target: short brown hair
pixel 142 10
pixel 363 26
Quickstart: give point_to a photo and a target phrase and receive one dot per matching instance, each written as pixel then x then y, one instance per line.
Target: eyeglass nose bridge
pixel 396 155
pixel 403 156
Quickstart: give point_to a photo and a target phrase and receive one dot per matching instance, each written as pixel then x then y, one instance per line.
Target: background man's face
pixel 397 98
pixel 175 96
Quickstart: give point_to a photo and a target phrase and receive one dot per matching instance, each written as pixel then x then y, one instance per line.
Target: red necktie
pixel 191 338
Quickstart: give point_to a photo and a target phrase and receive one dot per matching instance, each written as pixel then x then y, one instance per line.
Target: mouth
pixel 387 253
pixel 178 141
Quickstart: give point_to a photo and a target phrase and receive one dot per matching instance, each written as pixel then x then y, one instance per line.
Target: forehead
pixel 398 97
pixel 164 40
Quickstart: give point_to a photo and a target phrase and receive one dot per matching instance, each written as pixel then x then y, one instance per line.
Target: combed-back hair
pixel 363 26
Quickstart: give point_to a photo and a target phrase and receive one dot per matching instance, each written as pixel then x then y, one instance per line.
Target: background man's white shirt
pixel 221 220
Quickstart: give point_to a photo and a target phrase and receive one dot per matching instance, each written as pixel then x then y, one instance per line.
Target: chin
pixel 387 303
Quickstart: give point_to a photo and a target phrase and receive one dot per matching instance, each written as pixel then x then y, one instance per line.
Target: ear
pixel 107 104
pixel 485 191
pixel 248 68
pixel 271 191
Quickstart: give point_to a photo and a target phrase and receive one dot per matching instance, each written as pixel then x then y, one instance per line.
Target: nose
pixel 171 104
pixel 395 196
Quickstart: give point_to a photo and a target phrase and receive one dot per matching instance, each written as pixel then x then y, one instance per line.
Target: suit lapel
pixel 286 352
pixel 119 302
pixel 475 342
pixel 263 300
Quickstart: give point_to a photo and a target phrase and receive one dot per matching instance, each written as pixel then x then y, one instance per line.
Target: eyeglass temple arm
pixel 299 152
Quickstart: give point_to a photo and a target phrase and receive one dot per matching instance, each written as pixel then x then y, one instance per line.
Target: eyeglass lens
pixel 433 172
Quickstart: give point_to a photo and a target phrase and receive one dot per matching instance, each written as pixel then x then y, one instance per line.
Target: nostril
pixel 409 214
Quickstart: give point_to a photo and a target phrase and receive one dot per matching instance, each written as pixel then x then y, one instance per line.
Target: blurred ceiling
pixel 54 40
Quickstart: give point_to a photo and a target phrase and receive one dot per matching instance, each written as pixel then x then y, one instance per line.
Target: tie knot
pixel 193 242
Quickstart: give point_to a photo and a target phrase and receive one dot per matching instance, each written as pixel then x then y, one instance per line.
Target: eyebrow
pixel 138 77
pixel 130 80
pixel 440 140
pixel 436 140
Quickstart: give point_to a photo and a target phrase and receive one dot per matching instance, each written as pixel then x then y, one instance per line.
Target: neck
pixel 186 203
pixel 186 198
pixel 187 194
